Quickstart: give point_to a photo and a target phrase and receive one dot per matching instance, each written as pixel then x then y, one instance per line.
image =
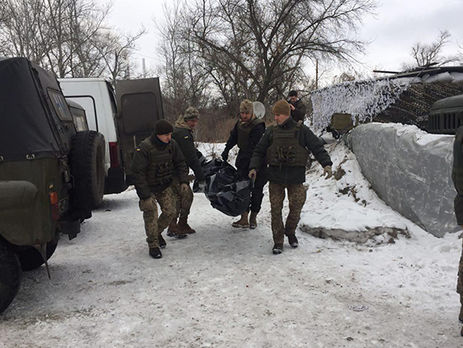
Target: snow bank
pixel 345 206
pixel 410 170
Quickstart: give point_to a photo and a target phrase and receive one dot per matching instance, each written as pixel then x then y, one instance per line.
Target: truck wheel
pixel 30 258
pixel 87 168
pixel 10 276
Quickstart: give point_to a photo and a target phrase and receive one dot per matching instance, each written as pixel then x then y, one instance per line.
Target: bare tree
pixel 257 48
pixel 429 54
pixel 67 37
pixel 20 29
pixel 186 77
pixel 115 50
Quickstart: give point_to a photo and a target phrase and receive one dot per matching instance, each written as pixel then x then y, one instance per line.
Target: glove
pixel 201 186
pixel 327 172
pixel 252 174
pixel 148 204
pixel 224 155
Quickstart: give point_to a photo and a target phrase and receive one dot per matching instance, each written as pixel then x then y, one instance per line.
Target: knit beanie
pixel 163 127
pixel 246 106
pixel 281 107
pixel 191 113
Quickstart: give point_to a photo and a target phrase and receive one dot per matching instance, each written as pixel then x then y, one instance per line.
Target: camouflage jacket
pixel 155 165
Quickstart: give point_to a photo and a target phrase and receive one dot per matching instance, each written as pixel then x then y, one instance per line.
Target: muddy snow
pixel 222 287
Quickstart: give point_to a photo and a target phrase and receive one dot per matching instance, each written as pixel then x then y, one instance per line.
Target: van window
pixel 144 106
pixel 78 116
pixel 60 105
pixel 88 103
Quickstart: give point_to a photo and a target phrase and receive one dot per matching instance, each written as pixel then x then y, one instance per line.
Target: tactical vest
pixel 244 130
pixel 160 168
pixel 457 168
pixel 285 149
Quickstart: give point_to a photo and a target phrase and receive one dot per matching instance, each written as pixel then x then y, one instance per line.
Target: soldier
pixel 246 134
pixel 183 135
pixel 457 177
pixel 156 162
pixel 286 147
pixel 297 106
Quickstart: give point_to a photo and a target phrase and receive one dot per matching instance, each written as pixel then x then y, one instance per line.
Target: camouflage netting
pixel 414 103
pixel 405 100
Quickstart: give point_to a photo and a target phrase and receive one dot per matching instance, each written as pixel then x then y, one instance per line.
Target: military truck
pixel 446 115
pixel 51 175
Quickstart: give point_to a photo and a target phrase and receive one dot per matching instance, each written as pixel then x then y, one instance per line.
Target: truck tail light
pixel 54 205
pixel 114 155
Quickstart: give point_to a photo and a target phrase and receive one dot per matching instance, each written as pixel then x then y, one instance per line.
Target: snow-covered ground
pixel 222 287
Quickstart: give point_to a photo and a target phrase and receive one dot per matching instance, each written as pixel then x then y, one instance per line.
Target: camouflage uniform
pixel 184 200
pixel 285 148
pixel 154 225
pixel 155 166
pixel 296 196
pixel 457 176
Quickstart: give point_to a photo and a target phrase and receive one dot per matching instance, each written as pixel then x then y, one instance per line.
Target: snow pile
pixel 362 99
pixel 443 77
pixel 345 206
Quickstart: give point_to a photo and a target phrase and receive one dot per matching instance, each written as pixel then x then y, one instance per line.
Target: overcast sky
pixel 397 25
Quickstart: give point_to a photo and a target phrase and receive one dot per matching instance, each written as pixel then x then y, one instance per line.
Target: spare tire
pixel 87 169
pixel 10 275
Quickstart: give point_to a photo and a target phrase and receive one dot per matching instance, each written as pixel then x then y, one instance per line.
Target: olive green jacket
pixel 155 165
pixel 283 174
pixel 183 135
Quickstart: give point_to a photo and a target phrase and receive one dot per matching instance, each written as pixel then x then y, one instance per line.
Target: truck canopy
pixel 30 101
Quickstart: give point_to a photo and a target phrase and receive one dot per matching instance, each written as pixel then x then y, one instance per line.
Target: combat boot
pixel 243 222
pixel 162 241
pixel 277 249
pixel 183 226
pixel 253 220
pixel 460 316
pixel 155 253
pixel 292 240
pixel 174 231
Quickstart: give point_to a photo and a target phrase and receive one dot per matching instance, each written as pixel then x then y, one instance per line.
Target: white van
pixel 96 96
pixel 124 125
